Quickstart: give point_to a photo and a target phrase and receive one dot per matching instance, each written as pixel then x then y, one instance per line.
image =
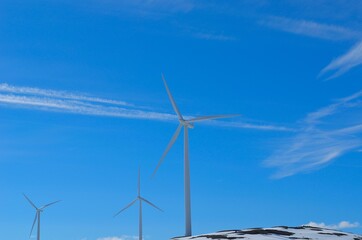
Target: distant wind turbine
pixel 186 124
pixel 37 215
pixel 140 199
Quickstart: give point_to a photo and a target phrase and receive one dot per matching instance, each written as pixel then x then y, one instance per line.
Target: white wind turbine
pixel 186 124
pixel 140 199
pixel 37 215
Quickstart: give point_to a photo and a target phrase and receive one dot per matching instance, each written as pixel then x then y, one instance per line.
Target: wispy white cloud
pixel 123 237
pixel 344 63
pixel 80 107
pixel 324 135
pixel 175 5
pixel 56 94
pixel 205 34
pixel 340 225
pixel 310 28
pixel 141 8
pixel 347 102
pixel 336 67
pixel 213 36
pixel 68 102
pixel 250 125
pixel 310 150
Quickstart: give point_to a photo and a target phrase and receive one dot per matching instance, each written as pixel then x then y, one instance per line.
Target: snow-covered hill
pixel 275 233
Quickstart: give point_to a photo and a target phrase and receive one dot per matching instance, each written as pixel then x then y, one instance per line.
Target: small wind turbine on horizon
pixel 140 199
pixel 37 215
pixel 186 124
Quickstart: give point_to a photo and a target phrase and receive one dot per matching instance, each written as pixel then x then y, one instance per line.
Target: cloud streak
pixel 324 135
pixel 213 36
pixel 56 94
pixel 124 237
pixel 140 8
pixel 336 67
pixel 68 102
pixel 310 28
pixel 344 63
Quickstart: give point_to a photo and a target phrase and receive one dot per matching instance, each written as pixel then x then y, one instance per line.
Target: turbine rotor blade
pixel 199 119
pixel 139 181
pixel 170 144
pixel 30 201
pixel 32 228
pixel 129 205
pixel 172 99
pixel 49 204
pixel 151 204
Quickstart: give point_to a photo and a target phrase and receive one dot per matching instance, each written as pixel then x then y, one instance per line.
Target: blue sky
pixel 82 105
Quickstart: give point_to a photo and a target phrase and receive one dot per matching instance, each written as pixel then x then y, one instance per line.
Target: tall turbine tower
pixel 140 199
pixel 186 124
pixel 37 215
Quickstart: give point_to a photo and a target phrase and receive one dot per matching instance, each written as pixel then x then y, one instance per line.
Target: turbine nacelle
pixel 186 123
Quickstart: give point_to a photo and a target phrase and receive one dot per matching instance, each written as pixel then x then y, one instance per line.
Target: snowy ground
pixel 277 233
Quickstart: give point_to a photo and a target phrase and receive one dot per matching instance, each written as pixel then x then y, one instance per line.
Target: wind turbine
pixel 140 199
pixel 186 124
pixel 37 215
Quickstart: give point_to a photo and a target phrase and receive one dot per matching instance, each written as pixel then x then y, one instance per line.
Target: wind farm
pixel 243 119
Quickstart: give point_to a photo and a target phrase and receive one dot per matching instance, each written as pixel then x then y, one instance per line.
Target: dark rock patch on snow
pixel 267 232
pixel 277 233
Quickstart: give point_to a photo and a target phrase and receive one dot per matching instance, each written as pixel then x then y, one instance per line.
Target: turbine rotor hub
pixel 186 124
